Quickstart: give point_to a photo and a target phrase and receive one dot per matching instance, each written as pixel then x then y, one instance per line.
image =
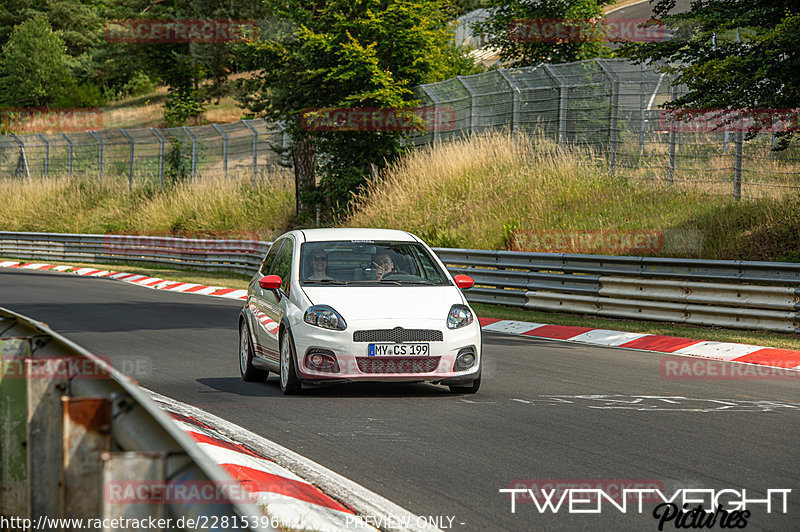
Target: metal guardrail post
pixel 69 143
pixel 160 157
pixel 473 105
pixel 23 157
pixel 515 98
pixel 130 162
pixel 737 164
pixel 563 105
pixel 224 148
pixel 46 154
pixel 99 154
pixel 194 150
pixel 255 148
pixel 436 110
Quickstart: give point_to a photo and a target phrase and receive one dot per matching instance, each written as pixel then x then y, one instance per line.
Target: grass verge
pixel 474 192
pixel 232 280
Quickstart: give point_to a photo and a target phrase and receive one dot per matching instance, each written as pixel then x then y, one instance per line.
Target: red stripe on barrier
pixel 152 282
pixel 47 266
pixel 92 272
pixel 223 292
pixel 781 358
pixel 662 344
pixel 126 276
pixel 255 481
pixel 205 438
pixel 171 286
pixel 488 321
pixel 196 288
pixel 558 332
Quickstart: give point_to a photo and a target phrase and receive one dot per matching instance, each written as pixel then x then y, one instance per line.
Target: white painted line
pixel 8 263
pixel 511 326
pixel 607 337
pixel 364 501
pixel 718 350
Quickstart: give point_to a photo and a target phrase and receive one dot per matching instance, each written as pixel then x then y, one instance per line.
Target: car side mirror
pixel 270 282
pixel 464 281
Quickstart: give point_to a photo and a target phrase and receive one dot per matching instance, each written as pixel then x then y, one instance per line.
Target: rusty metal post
pixel 124 473
pixel 87 429
pixel 46 380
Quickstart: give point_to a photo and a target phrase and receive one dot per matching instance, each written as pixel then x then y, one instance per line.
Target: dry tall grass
pixel 212 206
pixel 472 192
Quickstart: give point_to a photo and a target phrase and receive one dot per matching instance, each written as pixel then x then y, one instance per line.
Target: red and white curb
pixel 727 351
pixel 132 278
pixel 287 498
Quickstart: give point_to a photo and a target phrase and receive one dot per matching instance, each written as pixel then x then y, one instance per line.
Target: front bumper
pixel 355 364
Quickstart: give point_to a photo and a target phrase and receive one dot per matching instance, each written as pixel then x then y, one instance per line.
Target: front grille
pixel 397 365
pixel 398 334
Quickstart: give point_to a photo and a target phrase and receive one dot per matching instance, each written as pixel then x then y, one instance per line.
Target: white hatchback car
pixel 344 305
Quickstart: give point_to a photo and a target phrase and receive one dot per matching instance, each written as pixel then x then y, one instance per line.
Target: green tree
pixel 514 26
pixel 34 66
pixel 344 54
pixel 742 54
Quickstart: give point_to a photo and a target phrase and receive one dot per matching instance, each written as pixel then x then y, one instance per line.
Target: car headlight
pixel 325 317
pixel 459 316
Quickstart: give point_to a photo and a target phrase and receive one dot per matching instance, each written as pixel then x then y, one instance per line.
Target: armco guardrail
pixel 81 441
pixel 738 294
pixel 241 256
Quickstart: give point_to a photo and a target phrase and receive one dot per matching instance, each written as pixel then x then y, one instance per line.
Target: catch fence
pixel 608 108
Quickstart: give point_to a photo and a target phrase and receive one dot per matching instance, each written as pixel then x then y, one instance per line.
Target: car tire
pixel 288 376
pixel 470 388
pixel 248 371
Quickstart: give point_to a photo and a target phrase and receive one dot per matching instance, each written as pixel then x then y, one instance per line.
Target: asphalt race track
pixel 547 411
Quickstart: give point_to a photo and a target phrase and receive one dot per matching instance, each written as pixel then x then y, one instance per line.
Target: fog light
pixel 321 360
pixel 465 359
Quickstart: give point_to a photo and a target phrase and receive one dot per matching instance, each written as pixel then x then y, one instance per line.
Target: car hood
pixel 375 302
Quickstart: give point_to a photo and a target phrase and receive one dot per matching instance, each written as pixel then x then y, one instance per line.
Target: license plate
pixel 377 350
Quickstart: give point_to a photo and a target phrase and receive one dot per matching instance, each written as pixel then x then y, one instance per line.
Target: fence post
pixel 99 154
pixel 642 111
pixel 255 148
pixel 436 110
pixel 224 148
pixel 515 97
pixel 46 154
pixel 160 157
pixel 737 164
pixel 194 150
pixel 613 118
pixel 672 141
pixel 563 96
pixel 23 159
pixel 69 142
pixel 473 105
pixel 130 163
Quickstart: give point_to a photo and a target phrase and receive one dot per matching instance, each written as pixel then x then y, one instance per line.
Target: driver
pixel 384 265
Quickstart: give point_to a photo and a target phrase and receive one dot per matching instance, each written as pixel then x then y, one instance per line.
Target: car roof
pixel 329 234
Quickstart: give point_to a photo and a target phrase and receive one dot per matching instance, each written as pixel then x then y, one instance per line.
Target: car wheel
pixel 289 382
pixel 470 388
pixel 249 373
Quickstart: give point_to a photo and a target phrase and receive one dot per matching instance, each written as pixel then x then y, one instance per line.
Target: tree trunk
pixel 304 161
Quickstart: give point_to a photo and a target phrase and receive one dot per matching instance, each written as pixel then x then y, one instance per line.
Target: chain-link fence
pixel 609 107
pixel 155 154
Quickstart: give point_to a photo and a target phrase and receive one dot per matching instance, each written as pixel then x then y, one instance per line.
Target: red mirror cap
pixel 270 282
pixel 464 281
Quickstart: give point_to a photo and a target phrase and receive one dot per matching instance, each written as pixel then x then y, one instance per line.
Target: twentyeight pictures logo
pixel 180 31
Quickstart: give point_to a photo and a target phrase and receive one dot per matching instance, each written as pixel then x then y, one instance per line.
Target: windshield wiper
pixel 323 281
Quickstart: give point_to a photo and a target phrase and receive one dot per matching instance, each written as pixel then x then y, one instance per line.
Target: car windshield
pixel 378 263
